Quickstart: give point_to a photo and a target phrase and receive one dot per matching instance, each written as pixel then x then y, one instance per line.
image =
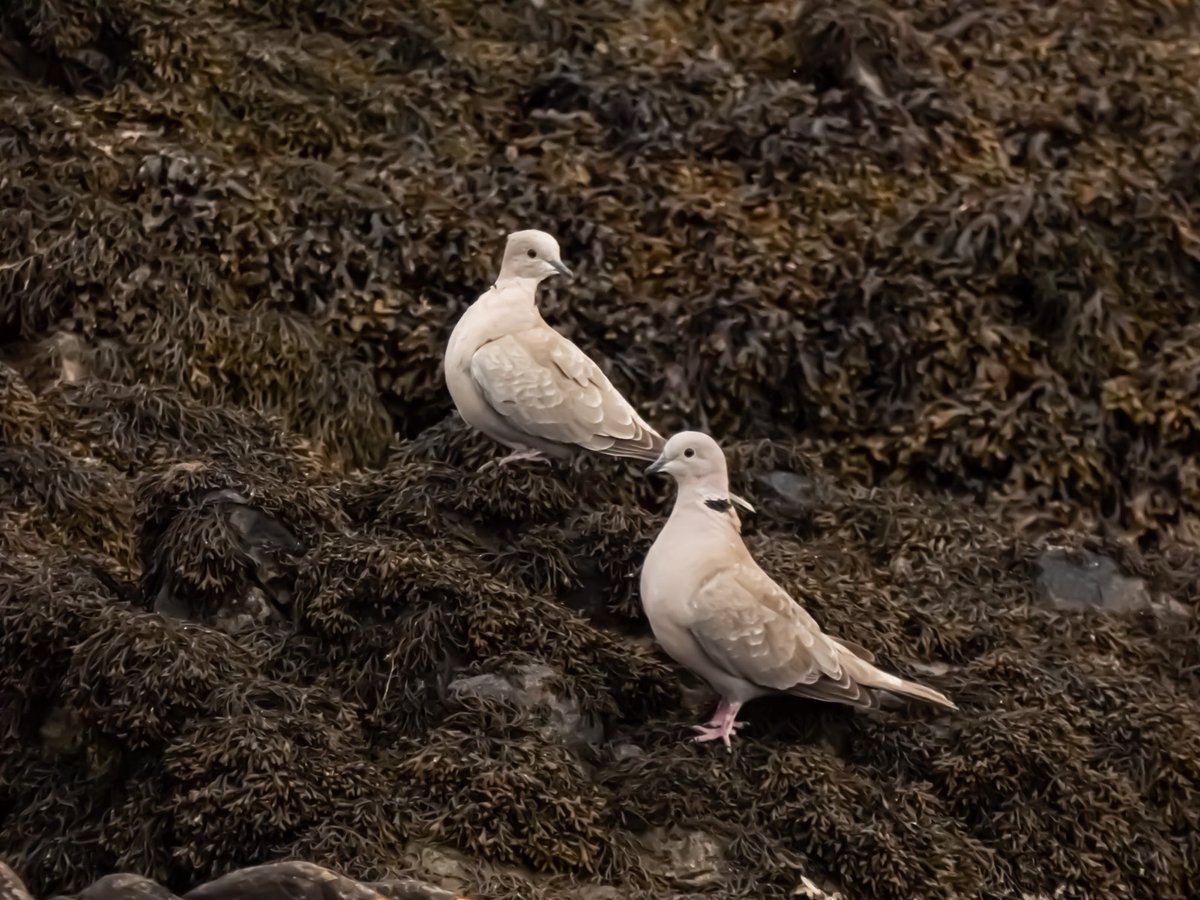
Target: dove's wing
pixel 750 627
pixel 546 386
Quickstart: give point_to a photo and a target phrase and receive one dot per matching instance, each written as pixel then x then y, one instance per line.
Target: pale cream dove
pixel 715 611
pixel 524 385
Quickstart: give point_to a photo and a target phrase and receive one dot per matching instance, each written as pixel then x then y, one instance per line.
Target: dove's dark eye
pixel 531 253
pixel 689 452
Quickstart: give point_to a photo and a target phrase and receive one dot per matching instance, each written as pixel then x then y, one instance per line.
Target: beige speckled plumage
pixel 523 384
pixel 714 610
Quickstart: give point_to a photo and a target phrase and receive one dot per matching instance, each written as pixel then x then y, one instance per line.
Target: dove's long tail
pixel 879 680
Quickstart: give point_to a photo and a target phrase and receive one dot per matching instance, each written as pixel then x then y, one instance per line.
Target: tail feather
pixel 898 686
pixel 868 676
pixel 866 687
pixel 857 649
pixel 744 504
pixel 646 446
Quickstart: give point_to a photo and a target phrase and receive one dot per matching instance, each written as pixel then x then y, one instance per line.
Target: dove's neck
pixel 507 282
pixel 709 499
pixel 514 300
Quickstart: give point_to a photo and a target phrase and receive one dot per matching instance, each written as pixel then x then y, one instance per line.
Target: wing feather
pixel 546 386
pixel 749 626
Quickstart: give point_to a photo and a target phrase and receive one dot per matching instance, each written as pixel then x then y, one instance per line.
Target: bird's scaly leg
pixel 722 725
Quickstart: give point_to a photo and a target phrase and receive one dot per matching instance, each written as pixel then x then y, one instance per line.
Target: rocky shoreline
pixel 928 270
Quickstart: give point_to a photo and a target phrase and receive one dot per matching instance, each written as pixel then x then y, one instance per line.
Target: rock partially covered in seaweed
pixel 124 886
pixel 532 689
pixel 305 881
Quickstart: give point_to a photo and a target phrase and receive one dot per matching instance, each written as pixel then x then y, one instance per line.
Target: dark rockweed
pixel 929 271
pixel 310 684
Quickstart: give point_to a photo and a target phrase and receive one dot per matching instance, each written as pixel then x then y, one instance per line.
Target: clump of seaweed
pixel 929 272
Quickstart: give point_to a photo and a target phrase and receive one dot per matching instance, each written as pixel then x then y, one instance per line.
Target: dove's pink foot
pixel 722 725
pixel 515 456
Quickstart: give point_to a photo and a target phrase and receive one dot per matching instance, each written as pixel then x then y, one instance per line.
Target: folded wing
pixel 547 387
pixel 750 627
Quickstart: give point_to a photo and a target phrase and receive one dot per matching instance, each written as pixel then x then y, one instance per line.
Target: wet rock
pixel 598 892
pixel 260 588
pixel 795 493
pixel 62 731
pixel 244 612
pixel 1081 581
pixel 448 868
pixel 627 751
pixel 689 859
pixel 11 887
pixel 307 881
pixel 125 886
pixel 411 889
pixel 534 689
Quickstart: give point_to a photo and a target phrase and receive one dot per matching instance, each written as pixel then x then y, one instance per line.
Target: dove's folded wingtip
pixel 744 504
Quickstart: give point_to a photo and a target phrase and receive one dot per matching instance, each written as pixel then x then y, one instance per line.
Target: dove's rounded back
pixel 531 254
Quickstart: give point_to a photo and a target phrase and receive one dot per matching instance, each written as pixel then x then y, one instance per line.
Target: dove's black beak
pixel 562 268
pixel 657 466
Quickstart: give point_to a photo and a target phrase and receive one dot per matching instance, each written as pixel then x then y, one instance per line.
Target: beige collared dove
pixel 524 385
pixel 715 611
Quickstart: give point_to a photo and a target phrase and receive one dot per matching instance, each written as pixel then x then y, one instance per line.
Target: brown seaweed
pixel 928 270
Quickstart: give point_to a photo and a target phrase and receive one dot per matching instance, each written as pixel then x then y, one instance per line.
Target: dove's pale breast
pixel 496 313
pixel 688 553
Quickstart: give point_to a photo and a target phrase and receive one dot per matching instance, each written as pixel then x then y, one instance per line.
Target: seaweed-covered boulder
pixel 928 270
pixel 434 658
pixel 305 881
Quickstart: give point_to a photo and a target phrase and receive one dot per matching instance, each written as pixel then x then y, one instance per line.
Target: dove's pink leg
pixel 722 725
pixel 515 456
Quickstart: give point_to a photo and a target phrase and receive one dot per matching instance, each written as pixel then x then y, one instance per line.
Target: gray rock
pixel 598 892
pixel 268 550
pixel 243 613
pixel 796 494
pixel 689 859
pixel 451 869
pixel 125 886
pixel 62 731
pixel 533 690
pixel 296 880
pixel 1081 581
pixel 283 881
pixel 411 889
pixel 810 891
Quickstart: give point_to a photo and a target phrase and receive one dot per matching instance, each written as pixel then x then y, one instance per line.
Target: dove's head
pixel 693 459
pixel 531 255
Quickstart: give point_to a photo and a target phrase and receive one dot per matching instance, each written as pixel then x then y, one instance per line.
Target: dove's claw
pixel 723 724
pixel 515 456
